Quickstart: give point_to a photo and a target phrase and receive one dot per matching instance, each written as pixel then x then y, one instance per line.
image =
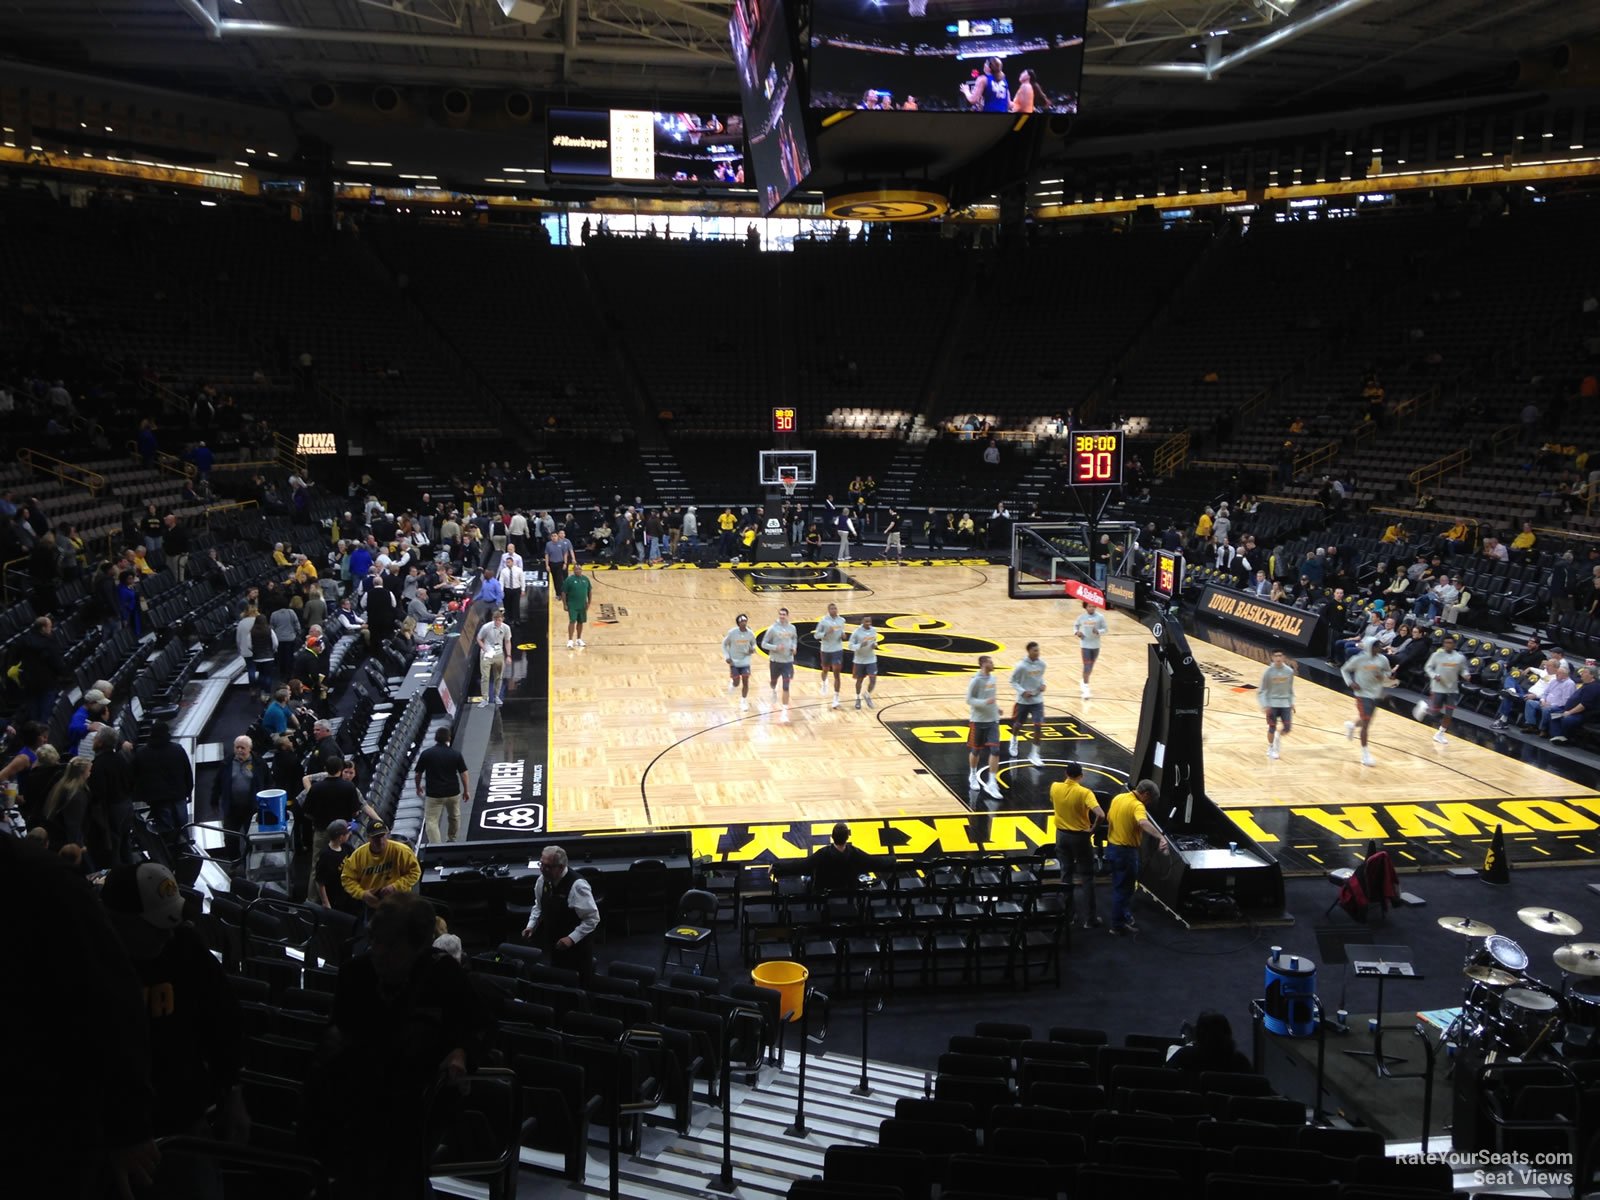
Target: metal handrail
pixel 1326 452
pixel 1230 462
pixel 1170 456
pixel 169 462
pixel 5 576
pixel 1300 500
pixel 1504 435
pixel 287 458
pixel 60 468
pixel 1417 401
pixel 1456 460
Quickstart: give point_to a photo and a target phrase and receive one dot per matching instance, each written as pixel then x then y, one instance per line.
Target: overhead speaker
pixel 527 11
pixel 519 106
pixel 385 99
pixel 457 104
pixel 324 96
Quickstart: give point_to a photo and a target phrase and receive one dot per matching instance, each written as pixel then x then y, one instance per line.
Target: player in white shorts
pixel 1027 680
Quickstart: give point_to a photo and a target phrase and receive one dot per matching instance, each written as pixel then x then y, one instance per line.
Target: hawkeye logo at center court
pixel 909 645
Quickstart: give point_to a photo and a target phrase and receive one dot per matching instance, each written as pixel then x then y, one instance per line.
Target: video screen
pixel 655 147
pixel 973 56
pixel 770 94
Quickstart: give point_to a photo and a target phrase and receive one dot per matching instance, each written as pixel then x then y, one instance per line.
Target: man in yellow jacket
pixel 380 868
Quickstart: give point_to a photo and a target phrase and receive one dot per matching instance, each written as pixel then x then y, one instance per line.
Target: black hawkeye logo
pixel 909 645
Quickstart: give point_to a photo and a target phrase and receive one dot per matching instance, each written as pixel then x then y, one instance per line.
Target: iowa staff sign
pixel 1276 622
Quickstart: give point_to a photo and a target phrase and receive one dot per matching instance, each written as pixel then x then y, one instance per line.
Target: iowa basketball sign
pixel 315 443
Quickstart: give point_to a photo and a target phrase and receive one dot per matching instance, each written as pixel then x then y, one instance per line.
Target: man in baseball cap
pixel 196 1038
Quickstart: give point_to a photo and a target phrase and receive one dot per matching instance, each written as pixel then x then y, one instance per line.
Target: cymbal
pixel 1548 920
pixel 1580 958
pixel 1465 926
pixel 1493 976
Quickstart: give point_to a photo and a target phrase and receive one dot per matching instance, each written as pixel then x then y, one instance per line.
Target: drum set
pixel 1510 1013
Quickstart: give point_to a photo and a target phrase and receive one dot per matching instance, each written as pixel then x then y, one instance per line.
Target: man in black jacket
pixel 42 670
pixel 163 778
pixel 838 866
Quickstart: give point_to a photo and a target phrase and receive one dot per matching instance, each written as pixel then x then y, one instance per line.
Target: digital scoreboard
pixel 783 420
pixel 1094 458
pixel 1168 579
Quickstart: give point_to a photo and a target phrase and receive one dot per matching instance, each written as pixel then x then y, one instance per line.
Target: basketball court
pixel 644 732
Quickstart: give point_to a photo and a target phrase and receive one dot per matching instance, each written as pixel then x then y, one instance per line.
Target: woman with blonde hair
pixel 68 803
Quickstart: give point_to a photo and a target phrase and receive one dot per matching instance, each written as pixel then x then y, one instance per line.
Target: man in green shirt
pixel 575 592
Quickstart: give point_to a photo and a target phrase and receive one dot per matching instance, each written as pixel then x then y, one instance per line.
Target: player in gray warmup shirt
pixel 983 732
pixel 738 644
pixel 1276 697
pixel 830 641
pixel 780 642
pixel 1445 667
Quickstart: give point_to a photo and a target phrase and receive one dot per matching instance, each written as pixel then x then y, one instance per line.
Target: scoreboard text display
pixel 1168 581
pixel 783 420
pixel 1094 459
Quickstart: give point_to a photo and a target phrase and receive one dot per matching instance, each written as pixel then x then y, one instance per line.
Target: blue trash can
pixel 272 809
pixel 1291 985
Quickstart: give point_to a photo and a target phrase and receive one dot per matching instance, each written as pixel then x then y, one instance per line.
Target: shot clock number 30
pixel 1095 458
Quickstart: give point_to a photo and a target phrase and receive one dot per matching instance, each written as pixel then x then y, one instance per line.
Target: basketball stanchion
pixel 868 1011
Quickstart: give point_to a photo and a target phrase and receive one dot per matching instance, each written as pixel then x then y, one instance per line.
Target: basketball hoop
pixel 788 480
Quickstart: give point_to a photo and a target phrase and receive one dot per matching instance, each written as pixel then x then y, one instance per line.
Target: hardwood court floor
pixel 644 732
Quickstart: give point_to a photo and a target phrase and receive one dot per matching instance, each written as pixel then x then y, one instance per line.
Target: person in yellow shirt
pixel 1524 541
pixel 726 524
pixel 305 571
pixel 1127 821
pixel 1456 534
pixel 1394 533
pixel 380 868
pixel 1202 527
pixel 141 561
pixel 1076 810
pixel 278 555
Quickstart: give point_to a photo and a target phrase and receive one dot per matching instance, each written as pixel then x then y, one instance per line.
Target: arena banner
pixel 1086 592
pixel 1122 591
pixel 1276 622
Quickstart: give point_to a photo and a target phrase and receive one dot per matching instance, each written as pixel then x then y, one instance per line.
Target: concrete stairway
pixel 765 1159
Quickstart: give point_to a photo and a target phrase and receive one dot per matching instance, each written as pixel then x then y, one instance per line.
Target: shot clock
pixel 1094 458
pixel 783 420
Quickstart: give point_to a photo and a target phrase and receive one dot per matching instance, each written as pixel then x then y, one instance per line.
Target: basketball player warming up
pixel 1367 673
pixel 983 730
pixel 1027 680
pixel 738 644
pixel 1089 628
pixel 830 641
pixel 1444 668
pixel 779 641
pixel 864 650
pixel 1276 697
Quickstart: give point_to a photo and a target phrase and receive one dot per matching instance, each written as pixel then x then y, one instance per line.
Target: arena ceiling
pixel 1154 69
pixel 1146 60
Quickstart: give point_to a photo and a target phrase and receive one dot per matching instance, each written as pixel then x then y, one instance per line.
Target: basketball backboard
pixel 802 462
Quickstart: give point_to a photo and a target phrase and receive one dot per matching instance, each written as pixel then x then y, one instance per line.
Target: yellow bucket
pixel 786 978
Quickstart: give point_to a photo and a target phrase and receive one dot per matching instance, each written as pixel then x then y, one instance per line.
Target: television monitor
pixel 610 145
pixel 770 95
pixel 967 56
